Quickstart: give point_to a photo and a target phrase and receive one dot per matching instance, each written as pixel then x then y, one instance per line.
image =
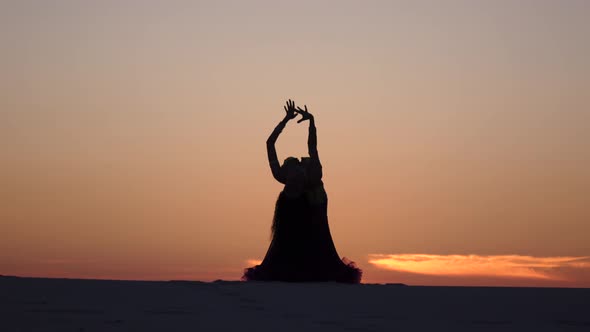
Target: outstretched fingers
pixel 290 109
pixel 304 113
pixel 290 104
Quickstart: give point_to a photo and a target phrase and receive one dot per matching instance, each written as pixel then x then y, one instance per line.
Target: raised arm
pixel 312 139
pixel 273 160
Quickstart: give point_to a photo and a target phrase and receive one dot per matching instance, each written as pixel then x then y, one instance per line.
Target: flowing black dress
pixel 302 248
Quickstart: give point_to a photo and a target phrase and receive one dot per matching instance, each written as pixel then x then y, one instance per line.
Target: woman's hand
pixel 304 113
pixel 290 110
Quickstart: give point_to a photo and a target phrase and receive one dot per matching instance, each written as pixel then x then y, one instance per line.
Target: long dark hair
pixel 275 217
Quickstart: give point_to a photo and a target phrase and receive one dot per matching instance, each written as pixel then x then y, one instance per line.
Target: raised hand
pixel 304 113
pixel 290 110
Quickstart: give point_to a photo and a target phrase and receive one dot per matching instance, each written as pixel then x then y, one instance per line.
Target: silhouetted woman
pixel 301 248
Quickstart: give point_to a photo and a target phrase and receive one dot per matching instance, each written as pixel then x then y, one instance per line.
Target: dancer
pixel 301 248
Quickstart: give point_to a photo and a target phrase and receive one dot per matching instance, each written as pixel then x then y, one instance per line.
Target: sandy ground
pixel 31 304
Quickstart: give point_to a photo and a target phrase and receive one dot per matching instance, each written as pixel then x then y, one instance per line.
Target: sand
pixel 37 304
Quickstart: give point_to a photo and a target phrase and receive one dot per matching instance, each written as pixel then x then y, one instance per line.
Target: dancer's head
pixel 292 168
pixel 305 161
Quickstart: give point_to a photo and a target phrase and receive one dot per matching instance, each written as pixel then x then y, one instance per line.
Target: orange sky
pixel 132 136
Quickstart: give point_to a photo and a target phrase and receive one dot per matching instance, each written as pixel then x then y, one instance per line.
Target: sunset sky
pixel 454 136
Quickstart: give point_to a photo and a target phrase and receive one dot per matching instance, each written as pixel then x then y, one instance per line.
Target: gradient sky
pixel 455 136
